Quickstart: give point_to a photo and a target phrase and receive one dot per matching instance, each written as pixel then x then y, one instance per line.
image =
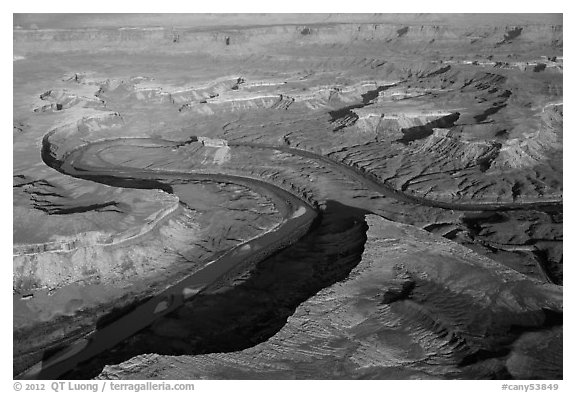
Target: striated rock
pixel 387 123
pixel 414 307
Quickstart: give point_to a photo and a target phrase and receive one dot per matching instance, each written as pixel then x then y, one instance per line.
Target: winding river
pixel 299 216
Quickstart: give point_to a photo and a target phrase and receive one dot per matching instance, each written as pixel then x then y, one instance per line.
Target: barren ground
pixel 429 146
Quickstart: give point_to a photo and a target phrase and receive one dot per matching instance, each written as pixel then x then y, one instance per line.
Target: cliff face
pixel 414 307
pixel 420 119
pixel 392 37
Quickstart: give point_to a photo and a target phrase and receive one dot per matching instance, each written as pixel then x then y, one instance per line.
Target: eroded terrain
pixel 354 199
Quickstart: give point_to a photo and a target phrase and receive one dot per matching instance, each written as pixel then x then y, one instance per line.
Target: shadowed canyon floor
pixel 348 196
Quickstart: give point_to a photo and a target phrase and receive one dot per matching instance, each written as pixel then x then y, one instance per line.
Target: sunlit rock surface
pixel 414 307
pixel 430 145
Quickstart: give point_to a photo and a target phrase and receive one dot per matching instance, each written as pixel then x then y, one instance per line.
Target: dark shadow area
pixel 485 162
pixel 474 221
pixel 439 71
pixel 488 112
pixel 254 306
pixel 552 266
pixel 502 134
pixel 514 33
pixel 424 131
pixel 373 94
pixel 539 67
pixel 402 31
pixel 345 117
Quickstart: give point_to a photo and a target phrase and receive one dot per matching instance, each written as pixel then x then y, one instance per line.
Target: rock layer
pixel 414 307
pixel 434 122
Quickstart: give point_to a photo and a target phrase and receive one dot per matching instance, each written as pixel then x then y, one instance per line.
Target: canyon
pixel 343 196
